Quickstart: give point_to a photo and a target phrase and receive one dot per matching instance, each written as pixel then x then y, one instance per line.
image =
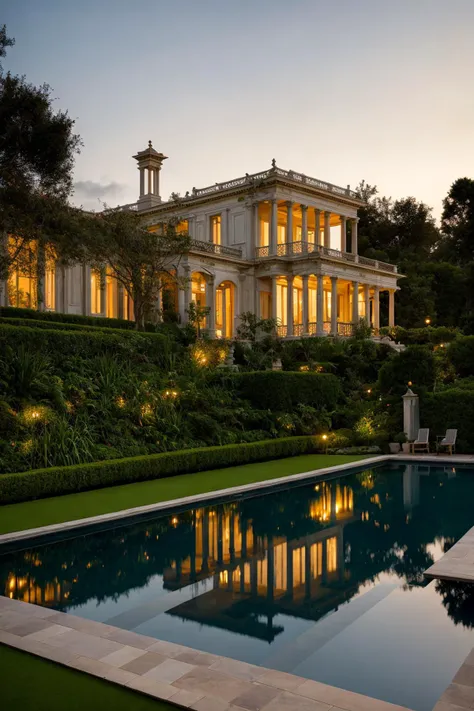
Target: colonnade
pixel 311 219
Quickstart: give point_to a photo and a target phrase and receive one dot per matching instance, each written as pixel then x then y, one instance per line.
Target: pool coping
pixel 181 675
pixel 40 531
pixel 457 563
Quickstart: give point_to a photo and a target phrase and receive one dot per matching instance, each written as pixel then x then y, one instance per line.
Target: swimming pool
pixel 323 580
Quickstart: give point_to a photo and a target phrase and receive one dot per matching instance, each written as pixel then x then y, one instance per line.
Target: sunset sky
pixel 340 90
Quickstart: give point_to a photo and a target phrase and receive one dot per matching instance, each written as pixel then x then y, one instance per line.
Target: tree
pixel 457 222
pixel 37 149
pixel 140 260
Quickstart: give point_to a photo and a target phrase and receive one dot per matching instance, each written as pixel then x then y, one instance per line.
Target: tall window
pixel 216 229
pixel 281 234
pixel 111 290
pixel 49 289
pixel 264 233
pixel 95 293
pixel 282 303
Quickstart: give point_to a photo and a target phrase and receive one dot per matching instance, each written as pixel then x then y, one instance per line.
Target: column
pixel 256 228
pixel 40 278
pixel 289 222
pixel 86 285
pixel 354 243
pixel 317 226
pixel 376 309
pixel 224 226
pixel 149 181
pixel 355 302
pixel 289 305
pixel 305 280
pixel 142 182
pixel 181 298
pixel 103 293
pixel 334 306
pixel 391 308
pixel 367 303
pixel 343 234
pixel 192 226
pixel 274 298
pixel 304 228
pixel 320 307
pixel 188 291
pixel 156 181
pixel 327 229
pixel 273 226
pixel 211 303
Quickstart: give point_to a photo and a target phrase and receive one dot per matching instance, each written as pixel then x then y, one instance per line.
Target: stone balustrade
pixel 292 249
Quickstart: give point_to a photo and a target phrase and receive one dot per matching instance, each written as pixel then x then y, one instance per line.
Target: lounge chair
pixel 449 441
pixel 422 441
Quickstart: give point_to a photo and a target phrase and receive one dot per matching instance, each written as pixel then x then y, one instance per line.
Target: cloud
pixel 97 191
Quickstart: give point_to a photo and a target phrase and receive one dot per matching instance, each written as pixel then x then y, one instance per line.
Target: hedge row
pixel 14 312
pixel 450 409
pixel 55 481
pixel 281 391
pixel 86 344
pixel 60 326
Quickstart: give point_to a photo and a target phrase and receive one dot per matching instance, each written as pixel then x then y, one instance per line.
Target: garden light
pixel 427 321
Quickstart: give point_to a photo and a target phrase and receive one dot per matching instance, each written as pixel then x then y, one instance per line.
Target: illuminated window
pixel 182 227
pixel 281 234
pixel 299 560
pixel 125 305
pixel 280 567
pixel 264 233
pixel 265 304
pixel 297 305
pixel 49 289
pixel 95 292
pixel 311 236
pixel 298 233
pixel 225 310
pixel 281 312
pixel 262 573
pixel 331 554
pixel 216 229
pixel 316 560
pixel 111 292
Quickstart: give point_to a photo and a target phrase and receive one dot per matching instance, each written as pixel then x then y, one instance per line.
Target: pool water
pixel 323 580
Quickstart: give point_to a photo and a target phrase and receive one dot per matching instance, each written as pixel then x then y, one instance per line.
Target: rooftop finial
pixel 149 144
pixel 273 163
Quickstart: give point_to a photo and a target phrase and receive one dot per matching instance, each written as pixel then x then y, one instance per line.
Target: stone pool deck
pixel 186 677
pixel 457 564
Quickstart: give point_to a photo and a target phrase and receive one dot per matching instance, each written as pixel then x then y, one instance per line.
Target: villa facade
pixel 277 243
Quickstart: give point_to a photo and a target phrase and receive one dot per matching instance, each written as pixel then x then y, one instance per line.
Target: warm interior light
pixel 427 321
pixel 410 383
pixel 325 436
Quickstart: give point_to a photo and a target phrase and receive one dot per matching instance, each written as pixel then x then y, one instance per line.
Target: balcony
pixel 211 248
pixel 297 249
pixel 343 329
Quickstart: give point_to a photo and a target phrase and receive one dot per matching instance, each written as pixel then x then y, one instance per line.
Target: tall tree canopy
pixel 37 150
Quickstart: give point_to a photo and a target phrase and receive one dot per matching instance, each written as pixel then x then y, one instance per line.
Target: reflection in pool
pixel 323 580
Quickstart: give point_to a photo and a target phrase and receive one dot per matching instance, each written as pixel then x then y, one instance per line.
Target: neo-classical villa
pixel 277 243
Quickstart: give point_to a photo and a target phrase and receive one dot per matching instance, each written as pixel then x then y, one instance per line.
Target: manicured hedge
pixel 60 326
pixel 86 344
pixel 55 481
pixel 450 409
pixel 281 391
pixel 13 312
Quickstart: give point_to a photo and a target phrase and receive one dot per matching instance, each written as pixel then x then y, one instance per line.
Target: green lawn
pixel 18 517
pixel 35 684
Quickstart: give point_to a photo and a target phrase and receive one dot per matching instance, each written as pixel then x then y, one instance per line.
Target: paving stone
pixel 287 701
pixel 25 608
pixel 445 706
pixel 281 680
pixel 153 688
pixel 459 694
pixel 201 659
pixel 210 703
pixel 9 619
pixel 120 676
pixel 213 683
pixel 465 675
pixel 143 664
pixel 91 666
pixel 257 697
pixel 239 670
pixel 122 656
pixel 186 698
pixel 29 626
pixel 169 671
pixel 49 632
pixel 132 639
pixel 168 649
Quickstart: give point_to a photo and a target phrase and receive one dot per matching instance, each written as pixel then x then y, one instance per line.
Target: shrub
pixel 60 344
pixel 416 365
pixel 53 316
pixel 421 336
pixel 450 409
pixel 282 391
pixel 461 355
pixel 61 480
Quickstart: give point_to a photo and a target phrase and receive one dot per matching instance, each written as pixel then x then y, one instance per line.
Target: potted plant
pixel 399 439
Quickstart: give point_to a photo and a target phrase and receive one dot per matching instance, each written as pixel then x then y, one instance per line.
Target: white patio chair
pixel 449 441
pixel 422 441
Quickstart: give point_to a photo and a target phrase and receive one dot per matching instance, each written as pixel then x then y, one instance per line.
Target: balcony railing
pixel 211 248
pixel 294 249
pixel 343 329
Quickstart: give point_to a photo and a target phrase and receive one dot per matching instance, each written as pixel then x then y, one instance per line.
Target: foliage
pixel 461 354
pixel 251 327
pixel 56 317
pixel 401 438
pixel 280 391
pixel 428 335
pixel 415 365
pixel 37 150
pixel 54 481
pixel 140 260
pixel 448 409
